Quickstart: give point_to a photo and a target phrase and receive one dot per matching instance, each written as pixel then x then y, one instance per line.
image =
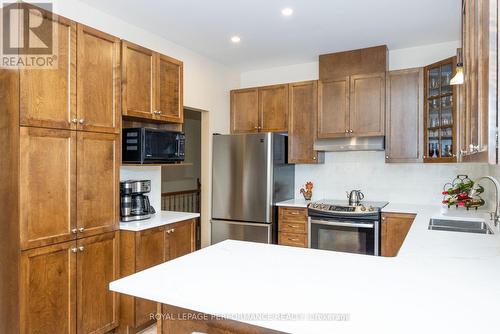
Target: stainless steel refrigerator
pixel 250 174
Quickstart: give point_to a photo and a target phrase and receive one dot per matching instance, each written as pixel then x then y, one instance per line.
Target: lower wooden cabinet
pixel 395 227
pixel 292 227
pixel 142 250
pixel 64 287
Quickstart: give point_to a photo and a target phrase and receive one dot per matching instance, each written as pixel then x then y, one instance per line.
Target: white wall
pixel 152 173
pixel 342 171
pixel 206 83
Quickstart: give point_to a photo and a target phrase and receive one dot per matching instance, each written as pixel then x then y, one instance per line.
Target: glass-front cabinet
pixel 440 130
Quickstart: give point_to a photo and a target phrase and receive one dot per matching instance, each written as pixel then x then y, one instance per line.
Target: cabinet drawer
pixel 292 239
pixel 293 214
pixel 293 226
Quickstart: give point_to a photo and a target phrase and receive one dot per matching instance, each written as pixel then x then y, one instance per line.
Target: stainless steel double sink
pixel 466 226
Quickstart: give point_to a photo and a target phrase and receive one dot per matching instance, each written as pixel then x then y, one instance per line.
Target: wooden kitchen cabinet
pixel 440 112
pixel 245 110
pixel 260 109
pixel 47 289
pixel 48 96
pixel 293 226
pixel 395 227
pixel 333 111
pixel 47 179
pixel 474 111
pixel 367 105
pixel 303 104
pixel 97 183
pixel 152 85
pixel 97 265
pixel 98 81
pixel 142 250
pixel 170 105
pixel 404 116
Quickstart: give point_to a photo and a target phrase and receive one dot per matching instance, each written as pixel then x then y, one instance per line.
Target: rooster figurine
pixel 306 191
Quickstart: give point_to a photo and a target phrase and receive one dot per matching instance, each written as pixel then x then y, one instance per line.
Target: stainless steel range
pixel 338 226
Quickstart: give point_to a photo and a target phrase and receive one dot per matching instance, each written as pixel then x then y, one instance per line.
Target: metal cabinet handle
pixel 293 239
pixel 473 148
pixel 292 225
pixel 387 157
pixel 74 120
pixel 81 230
pixel 350 131
pixel 81 121
pixel 81 248
pixel 314 158
pixel 74 250
pixel 294 213
pixel 346 130
pixel 74 231
pixel 171 231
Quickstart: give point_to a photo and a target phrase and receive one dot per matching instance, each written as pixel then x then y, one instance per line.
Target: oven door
pixel 356 236
pixel 163 146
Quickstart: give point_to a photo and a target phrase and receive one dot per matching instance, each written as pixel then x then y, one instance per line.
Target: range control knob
pixel 363 208
pixel 371 208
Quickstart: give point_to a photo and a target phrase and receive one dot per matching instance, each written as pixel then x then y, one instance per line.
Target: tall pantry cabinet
pixel 59 196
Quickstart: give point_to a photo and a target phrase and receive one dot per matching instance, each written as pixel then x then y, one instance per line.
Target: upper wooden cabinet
pixel 333 112
pixel 440 112
pixel 303 102
pixel 98 81
pixel 352 93
pixel 152 85
pixel 48 96
pixel 170 106
pixel 404 116
pixel 474 112
pixel 352 106
pixel 395 227
pixel 261 109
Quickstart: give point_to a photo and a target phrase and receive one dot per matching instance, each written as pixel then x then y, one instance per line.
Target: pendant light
pixel 458 78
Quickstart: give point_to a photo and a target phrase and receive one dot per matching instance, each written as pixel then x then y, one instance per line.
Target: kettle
pixel 355 197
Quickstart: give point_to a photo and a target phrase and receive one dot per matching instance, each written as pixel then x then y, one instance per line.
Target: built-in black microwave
pixel 146 145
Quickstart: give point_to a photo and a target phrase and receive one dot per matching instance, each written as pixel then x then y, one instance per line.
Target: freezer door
pixel 256 232
pixel 242 177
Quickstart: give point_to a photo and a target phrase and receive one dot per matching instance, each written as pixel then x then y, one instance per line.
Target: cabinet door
pixel 98 97
pixel 98 265
pixel 47 186
pixel 303 100
pixel 47 289
pixel 138 81
pixel 273 108
pixel 97 182
pixel 245 110
pixel 404 116
pixel 367 105
pixel 150 251
pixel 333 112
pixel 48 96
pixel 474 129
pixel 169 104
pixel 180 239
pixel 395 227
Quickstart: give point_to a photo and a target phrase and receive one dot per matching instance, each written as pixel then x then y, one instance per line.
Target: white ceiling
pixel 268 39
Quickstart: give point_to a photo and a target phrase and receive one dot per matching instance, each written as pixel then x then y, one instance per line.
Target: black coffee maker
pixel 134 203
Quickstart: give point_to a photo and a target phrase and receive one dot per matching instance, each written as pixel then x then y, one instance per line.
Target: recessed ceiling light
pixel 287 11
pixel 235 39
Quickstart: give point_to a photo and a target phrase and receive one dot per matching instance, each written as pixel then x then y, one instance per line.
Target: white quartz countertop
pixel 296 202
pixel 440 282
pixel 158 219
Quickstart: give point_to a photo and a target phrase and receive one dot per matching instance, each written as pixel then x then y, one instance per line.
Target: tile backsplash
pixel 416 183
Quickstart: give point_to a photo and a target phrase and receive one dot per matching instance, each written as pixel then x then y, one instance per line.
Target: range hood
pixel 350 144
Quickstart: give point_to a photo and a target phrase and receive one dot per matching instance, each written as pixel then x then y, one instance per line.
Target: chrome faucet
pixel 493 215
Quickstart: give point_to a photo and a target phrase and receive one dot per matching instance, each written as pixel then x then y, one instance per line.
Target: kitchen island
pixel 440 282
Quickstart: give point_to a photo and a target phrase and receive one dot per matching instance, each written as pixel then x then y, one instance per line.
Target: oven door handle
pixel 343 224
